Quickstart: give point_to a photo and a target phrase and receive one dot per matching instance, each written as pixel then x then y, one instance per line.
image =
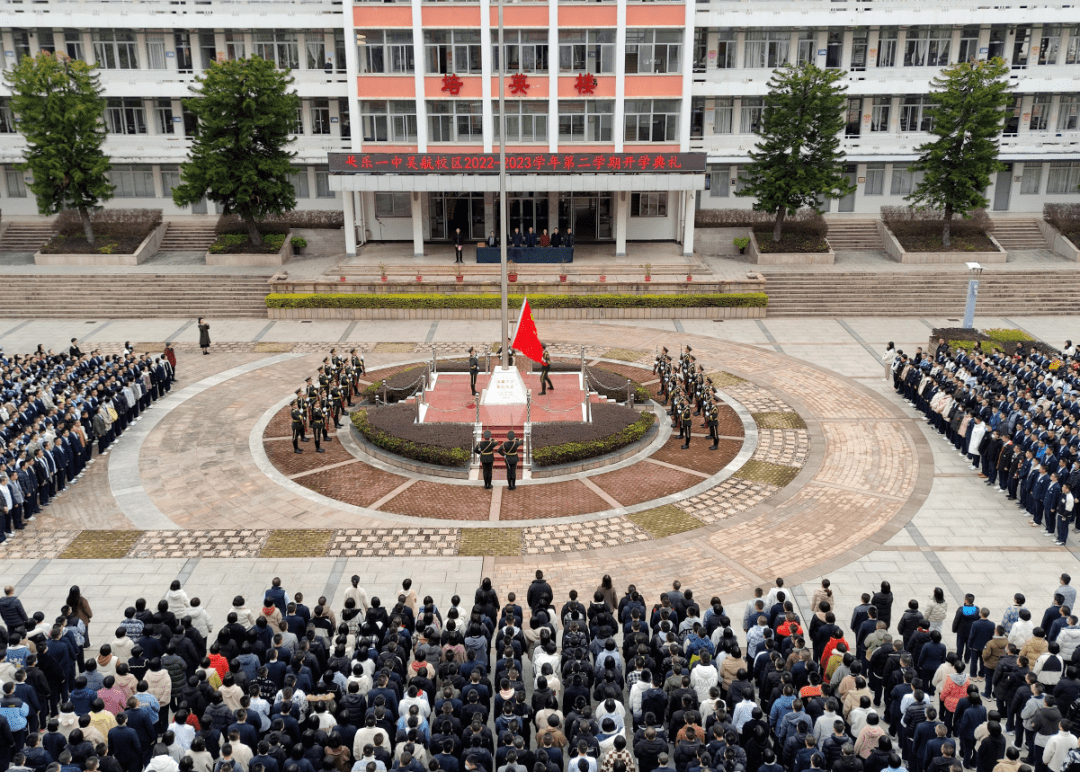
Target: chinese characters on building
pixel 516 163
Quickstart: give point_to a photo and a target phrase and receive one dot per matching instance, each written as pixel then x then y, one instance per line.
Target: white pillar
pixel 688 223
pixel 417 224
pixel 350 223
pixel 622 221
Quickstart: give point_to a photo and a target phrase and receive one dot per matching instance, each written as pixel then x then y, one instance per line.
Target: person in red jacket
pixel 953 690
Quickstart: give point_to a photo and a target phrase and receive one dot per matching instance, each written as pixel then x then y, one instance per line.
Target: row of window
pixel 579 120
pixel 653 204
pixel 458 51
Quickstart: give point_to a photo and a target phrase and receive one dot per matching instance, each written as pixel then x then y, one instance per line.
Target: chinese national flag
pixel 526 340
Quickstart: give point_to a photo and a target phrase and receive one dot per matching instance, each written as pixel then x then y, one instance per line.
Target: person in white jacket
pixel 704 676
pixel 177 599
pixel 244 615
pixel 887 360
pixel 162 761
pixel 200 620
pixel 978 431
pixel 1057 748
pixel 1022 629
pixel 1069 638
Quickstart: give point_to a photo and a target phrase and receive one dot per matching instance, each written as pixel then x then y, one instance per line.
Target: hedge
pixel 577 451
pixel 421 300
pixel 417 451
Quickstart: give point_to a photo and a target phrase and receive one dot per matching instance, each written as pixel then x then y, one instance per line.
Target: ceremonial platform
pixel 449 400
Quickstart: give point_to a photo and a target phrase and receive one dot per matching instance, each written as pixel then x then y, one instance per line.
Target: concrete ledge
pixel 407 464
pixel 788 258
pixel 247 260
pixel 895 250
pixel 483 314
pixel 1057 243
pixel 147 249
pixel 448 286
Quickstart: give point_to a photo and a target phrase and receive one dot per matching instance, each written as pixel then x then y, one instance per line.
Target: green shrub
pixel 578 451
pixel 239 242
pixel 119 223
pixel 298 242
pixel 1006 334
pixel 417 451
pixel 420 300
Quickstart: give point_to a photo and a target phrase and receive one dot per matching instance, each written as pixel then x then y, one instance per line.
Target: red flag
pixel 526 339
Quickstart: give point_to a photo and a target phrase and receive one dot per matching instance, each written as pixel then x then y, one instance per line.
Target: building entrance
pixel 591 215
pixel 449 211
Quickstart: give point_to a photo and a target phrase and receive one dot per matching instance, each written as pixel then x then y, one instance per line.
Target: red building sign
pixel 517 163
pixel 451 84
pixel 585 83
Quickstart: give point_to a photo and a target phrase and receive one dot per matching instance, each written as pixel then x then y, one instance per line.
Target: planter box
pixel 787 258
pixel 1057 243
pixel 246 260
pixel 896 251
pixel 660 285
pixel 321 242
pixel 146 249
pixel 718 241
pixel 485 314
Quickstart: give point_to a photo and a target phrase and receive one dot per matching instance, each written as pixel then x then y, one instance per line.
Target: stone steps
pixel 1019 234
pixel 851 235
pixel 25 237
pixel 187 238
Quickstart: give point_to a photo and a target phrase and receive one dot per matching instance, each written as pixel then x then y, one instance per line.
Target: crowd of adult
pixel 605 682
pixel 55 407
pixel 1015 416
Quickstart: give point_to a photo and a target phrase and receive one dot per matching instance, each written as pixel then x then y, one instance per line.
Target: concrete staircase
pixel 1018 234
pixel 922 293
pixel 854 235
pixel 188 237
pixel 25 237
pixel 120 296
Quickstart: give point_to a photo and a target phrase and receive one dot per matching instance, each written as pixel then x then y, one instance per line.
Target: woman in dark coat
pixel 80 608
pixel 204 335
pixel 883 601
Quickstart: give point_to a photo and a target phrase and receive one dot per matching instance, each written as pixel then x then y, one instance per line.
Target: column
pixel 620 72
pixel 688 223
pixel 417 224
pixel 553 211
pixel 489 100
pixel 418 78
pixel 350 222
pixel 622 221
pixel 872 47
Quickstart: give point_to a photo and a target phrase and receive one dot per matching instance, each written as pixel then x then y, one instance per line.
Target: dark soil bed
pixel 789 242
pixel 391 428
pixel 106 242
pixel 613 427
pixel 398 386
pixel 930 241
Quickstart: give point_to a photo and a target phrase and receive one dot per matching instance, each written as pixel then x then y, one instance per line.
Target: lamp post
pixel 972 294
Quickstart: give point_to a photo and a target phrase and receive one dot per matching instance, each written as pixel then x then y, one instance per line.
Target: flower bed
pixel 398 386
pixel 492 301
pixel 240 244
pixel 613 386
pixel 116 232
pixel 612 427
pixel 391 428
pixel 920 230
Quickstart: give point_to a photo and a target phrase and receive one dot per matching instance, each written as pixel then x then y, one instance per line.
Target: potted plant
pixel 511 271
pixel 603 274
pixel 689 277
pixel 419 277
pixel 742 242
pixel 382 271
pixel 562 269
pixel 341 278
pixel 298 244
pixel 459 273
pixel 648 271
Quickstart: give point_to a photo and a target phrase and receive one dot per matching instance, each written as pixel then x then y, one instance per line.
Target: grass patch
pixel 790 241
pixel 766 472
pixel 100 545
pixel 779 420
pixel 624 354
pixel 721 379
pixel 666 520
pixel 394 348
pixel 240 243
pixel 301 543
pixel 489 542
pixel 273 348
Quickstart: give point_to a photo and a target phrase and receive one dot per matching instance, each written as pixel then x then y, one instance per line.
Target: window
pixel 969 45
pixel 879 113
pixel 207 49
pixel 388 121
pixel 21 39
pixel 751 114
pixel 1012 117
pixel 343 118
pixel 170 178
pixel 322 183
pixel 719 177
pixel 46 41
pixel 316 53
pixel 320 116
pixel 723 115
pixel 586 120
pixel 1021 47
pixel 806 52
pixel 1072 50
pixel 651 120
pixel 526 120
pixel 115 49
pixel 854 117
pixel 278 46
pixel 1032 179
pixel 299 180
pixel 725 49
pixel 132 181
pixel 164 113
pixel 1040 112
pixel 697 118
pixel 526 50
pixel 886 49
pixel 1050 44
pixel 155 52
pixel 904 180
pixel 392 205
pixel 648 204
pixel 16 186
pixel 914 114
pixel 385 51
pixel 1069 112
pixel 858 49
pixel 73 43
pixel 125 116
pixel 701 49
pixel 996 49
pixel 1064 177
pixel 587 51
pixel 339 49
pixel 834 49
pixel 458 120
pixel 7 117
pixel 927 47
pixel 298 127
pixel 452 51
pixel 235 46
pixel 875 179
pixel 653 51
pixel 766 48
pixel 182 42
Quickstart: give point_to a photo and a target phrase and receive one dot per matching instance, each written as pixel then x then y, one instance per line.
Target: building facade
pixel 605 77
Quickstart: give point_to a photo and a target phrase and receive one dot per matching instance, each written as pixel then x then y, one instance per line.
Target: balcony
pixel 188 14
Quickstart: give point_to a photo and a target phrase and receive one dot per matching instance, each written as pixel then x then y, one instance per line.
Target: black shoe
pixel 338 426
pixel 320 450
pixel 714 447
pixel 297 450
pixel 305 439
pixel 684 447
pixel 543 393
pixel 328 439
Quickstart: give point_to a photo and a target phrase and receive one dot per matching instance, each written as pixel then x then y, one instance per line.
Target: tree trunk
pixel 88 229
pixel 253 231
pixel 945 241
pixel 779 221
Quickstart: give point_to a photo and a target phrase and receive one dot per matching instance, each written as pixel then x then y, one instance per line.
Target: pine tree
pixel 59 110
pixel 246 117
pixel 798 159
pixel 968 100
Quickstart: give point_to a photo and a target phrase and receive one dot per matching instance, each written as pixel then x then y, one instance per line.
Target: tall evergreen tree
pixel 59 110
pixel 798 158
pixel 246 117
pixel 966 114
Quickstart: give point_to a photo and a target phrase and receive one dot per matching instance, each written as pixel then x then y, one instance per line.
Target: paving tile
pixel 765 472
pixel 100 545
pixel 779 421
pixel 297 543
pixel 490 541
pixel 665 521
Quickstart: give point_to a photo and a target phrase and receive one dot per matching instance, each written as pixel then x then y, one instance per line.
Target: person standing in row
pixel 509 452
pixel 545 372
pixel 474 370
pixel 486 449
pixel 204 335
pixel 297 425
pixel 459 246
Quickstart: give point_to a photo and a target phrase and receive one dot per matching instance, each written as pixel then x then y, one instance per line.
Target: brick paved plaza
pixel 822 471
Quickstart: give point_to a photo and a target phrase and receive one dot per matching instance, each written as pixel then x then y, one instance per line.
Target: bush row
pixel 421 300
pixel 228 243
pixel 579 450
pixel 281 223
pixel 391 429
pixel 906 221
pixel 1064 217
pixel 117 223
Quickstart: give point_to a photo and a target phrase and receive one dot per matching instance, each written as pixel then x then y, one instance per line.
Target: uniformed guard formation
pixel 316 407
pixel 690 392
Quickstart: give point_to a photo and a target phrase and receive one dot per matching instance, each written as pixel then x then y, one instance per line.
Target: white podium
pixel 506 387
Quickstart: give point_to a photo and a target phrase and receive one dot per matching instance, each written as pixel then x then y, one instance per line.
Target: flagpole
pixel 502 195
